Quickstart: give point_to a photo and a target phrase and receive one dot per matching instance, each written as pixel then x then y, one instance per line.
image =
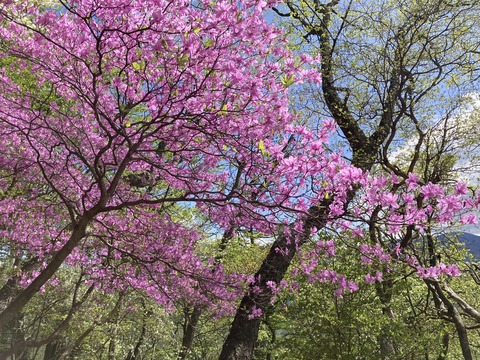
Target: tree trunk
pixel 445 343
pixel 453 313
pixel 461 331
pixel 17 336
pixel 387 345
pixel 240 342
pixel 52 351
pixel 24 296
pixel 111 347
pixel 69 350
pixel 191 321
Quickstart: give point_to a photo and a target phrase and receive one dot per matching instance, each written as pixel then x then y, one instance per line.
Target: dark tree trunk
pixel 445 343
pixel 240 342
pixel 23 297
pixel 136 355
pixel 452 311
pixel 454 314
pixel 384 293
pixel 70 350
pixel 191 321
pixel 17 336
pixel 52 351
pixel 461 331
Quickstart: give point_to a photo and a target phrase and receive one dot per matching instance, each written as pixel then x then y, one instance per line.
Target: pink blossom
pixel 460 188
pixel 469 219
pixel 339 293
pixel 255 313
pixel 431 190
pixel 436 271
pixel 412 181
pixel 389 200
pixel 352 286
pixel 452 270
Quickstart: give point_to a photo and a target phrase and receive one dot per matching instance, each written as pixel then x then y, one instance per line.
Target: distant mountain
pixel 471 241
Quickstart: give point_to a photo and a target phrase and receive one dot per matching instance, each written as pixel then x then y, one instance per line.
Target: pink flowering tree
pixel 132 107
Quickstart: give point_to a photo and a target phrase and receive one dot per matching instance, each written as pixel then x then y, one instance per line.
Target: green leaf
pixel 138 65
pixel 287 80
pixel 223 110
pixel 208 42
pixel 165 44
pixel 261 147
pixel 297 61
pixel 182 60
